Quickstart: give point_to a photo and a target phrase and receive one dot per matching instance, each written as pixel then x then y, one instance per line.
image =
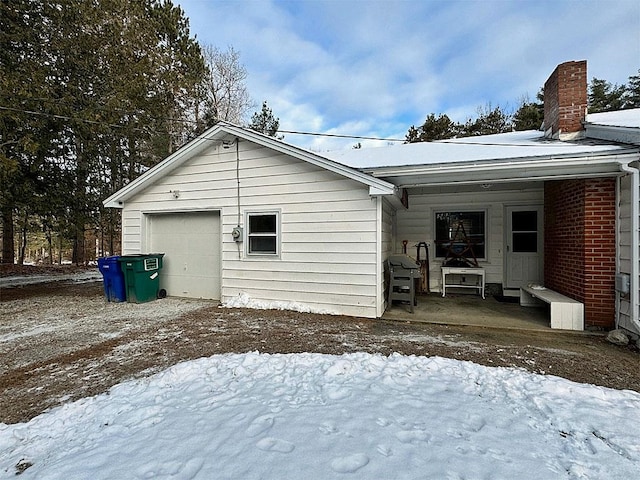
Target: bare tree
pixel 224 92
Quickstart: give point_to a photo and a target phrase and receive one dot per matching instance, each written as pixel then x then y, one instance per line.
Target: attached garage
pixel 191 244
pixel 237 214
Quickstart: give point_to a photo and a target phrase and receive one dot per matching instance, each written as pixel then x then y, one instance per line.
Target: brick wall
pixel 565 100
pixel 564 237
pixel 600 251
pixel 579 245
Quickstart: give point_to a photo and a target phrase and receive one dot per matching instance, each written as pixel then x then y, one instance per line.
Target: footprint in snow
pixel 384 450
pixel 350 463
pixel 474 423
pixel 171 469
pixel 383 422
pixel 238 418
pixel 259 425
pixel 271 444
pixel 328 428
pixel 413 436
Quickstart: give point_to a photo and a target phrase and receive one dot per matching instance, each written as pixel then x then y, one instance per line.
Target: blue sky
pixel 374 68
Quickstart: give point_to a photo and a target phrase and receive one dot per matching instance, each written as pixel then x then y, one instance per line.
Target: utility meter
pixel 236 233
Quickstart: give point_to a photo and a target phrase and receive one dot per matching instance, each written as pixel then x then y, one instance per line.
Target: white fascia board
pixel 609 133
pixel 373 190
pixel 471 171
pixel 394 199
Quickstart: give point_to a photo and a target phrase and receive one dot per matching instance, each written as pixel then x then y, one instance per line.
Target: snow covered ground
pixel 76 277
pixel 315 416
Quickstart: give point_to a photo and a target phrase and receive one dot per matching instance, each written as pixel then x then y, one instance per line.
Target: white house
pixel 237 212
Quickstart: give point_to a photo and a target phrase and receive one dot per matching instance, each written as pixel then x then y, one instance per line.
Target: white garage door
pixel 191 244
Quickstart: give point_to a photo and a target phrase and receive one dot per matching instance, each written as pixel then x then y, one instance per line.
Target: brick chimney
pixel 565 101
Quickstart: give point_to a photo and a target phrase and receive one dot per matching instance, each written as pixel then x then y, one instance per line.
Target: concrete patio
pixel 465 309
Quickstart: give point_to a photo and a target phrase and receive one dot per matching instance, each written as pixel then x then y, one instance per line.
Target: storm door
pixel 523 246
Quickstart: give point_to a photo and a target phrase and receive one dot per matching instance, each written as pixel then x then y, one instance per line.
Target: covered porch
pixel 471 310
pixel 543 221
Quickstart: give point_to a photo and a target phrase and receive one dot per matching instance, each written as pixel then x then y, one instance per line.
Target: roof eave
pixel 508 171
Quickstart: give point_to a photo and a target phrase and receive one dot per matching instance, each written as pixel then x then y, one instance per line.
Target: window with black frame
pixel 460 233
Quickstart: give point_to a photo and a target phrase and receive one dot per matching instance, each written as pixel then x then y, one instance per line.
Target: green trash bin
pixel 142 276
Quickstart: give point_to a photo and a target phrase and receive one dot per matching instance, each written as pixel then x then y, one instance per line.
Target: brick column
pixel 579 256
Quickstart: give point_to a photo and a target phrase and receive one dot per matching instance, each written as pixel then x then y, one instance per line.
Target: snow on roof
pixel 621 118
pixel 529 143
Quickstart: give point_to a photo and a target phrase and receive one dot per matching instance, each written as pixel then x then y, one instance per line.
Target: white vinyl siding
pixel 131 231
pixel 417 223
pixel 328 225
pixel 624 309
pixel 387 230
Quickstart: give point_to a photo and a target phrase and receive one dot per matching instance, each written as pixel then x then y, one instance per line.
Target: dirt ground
pixel 61 341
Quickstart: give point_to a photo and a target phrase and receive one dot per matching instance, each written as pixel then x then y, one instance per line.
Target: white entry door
pixel 191 244
pixel 524 246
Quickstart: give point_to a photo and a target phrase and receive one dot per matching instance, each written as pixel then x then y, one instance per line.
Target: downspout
pixel 634 287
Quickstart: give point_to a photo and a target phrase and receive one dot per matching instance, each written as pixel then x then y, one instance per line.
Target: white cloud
pixel 378 67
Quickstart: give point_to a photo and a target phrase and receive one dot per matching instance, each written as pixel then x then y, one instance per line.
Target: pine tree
pixel 490 121
pixel 631 97
pixel 265 122
pixel 90 98
pixel 529 115
pixel 433 128
pixel 604 96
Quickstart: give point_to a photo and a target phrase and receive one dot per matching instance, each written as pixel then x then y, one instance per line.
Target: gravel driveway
pixel 60 341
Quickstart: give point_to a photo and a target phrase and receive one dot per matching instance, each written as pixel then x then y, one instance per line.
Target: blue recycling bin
pixel 113 279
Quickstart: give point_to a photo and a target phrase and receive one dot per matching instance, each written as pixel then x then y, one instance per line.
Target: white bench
pixel 566 313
